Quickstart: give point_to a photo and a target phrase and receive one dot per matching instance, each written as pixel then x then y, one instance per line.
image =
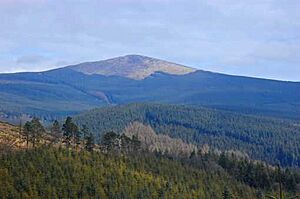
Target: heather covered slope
pixel 131 66
pixel 267 139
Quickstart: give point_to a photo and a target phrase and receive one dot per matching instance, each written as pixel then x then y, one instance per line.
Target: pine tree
pixel 70 132
pixel 37 131
pixel 33 131
pixel 226 194
pixel 77 136
pixel 90 142
pixel 223 160
pixel 109 140
pixel 85 131
pixel 56 131
pixel 27 129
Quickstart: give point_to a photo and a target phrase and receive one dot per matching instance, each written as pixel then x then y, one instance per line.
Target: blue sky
pixel 258 38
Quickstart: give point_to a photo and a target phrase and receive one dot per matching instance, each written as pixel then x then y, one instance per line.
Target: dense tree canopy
pixel 122 167
pixel 267 139
pixel 53 173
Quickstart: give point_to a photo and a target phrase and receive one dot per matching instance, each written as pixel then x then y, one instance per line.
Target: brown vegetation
pixel 10 137
pixel 158 142
pixel 131 66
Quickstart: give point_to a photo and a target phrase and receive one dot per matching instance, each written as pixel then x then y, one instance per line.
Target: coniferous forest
pixel 261 138
pixel 65 161
pixel 57 173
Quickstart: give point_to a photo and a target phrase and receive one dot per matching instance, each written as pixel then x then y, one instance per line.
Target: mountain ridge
pixel 65 91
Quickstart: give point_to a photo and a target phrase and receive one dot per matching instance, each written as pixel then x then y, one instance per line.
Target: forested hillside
pixel 55 173
pixel 70 90
pixel 64 162
pixel 267 139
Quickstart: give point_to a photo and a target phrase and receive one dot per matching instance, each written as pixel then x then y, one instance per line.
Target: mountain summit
pixel 131 66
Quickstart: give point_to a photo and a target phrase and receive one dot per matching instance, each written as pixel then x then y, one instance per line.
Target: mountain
pixel 260 138
pixel 131 66
pixel 67 91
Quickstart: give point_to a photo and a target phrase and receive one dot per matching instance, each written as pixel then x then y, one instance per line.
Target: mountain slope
pixel 66 91
pixel 10 138
pixel 36 93
pixel 131 66
pixel 260 138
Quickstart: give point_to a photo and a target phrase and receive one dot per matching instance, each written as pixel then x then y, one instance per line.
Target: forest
pixel 64 161
pixel 261 138
pixel 56 173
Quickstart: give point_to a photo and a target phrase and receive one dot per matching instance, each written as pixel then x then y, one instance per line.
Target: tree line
pixel 71 136
pixel 68 133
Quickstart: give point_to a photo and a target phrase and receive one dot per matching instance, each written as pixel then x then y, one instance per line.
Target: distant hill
pixel 71 90
pixel 131 66
pixel 261 138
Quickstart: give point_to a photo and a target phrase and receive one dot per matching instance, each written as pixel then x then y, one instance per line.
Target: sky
pixel 259 38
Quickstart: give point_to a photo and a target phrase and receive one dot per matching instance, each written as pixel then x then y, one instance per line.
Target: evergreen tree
pixel 37 131
pixel 27 129
pixel 85 131
pixel 56 131
pixel 109 140
pixel 33 131
pixel 77 136
pixel 226 194
pixel 89 142
pixel 70 131
pixel 223 160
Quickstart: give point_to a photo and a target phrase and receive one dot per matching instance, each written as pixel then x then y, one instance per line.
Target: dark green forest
pixel 60 173
pixel 261 138
pixel 64 162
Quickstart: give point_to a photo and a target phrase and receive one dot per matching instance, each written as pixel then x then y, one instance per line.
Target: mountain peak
pixel 131 66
